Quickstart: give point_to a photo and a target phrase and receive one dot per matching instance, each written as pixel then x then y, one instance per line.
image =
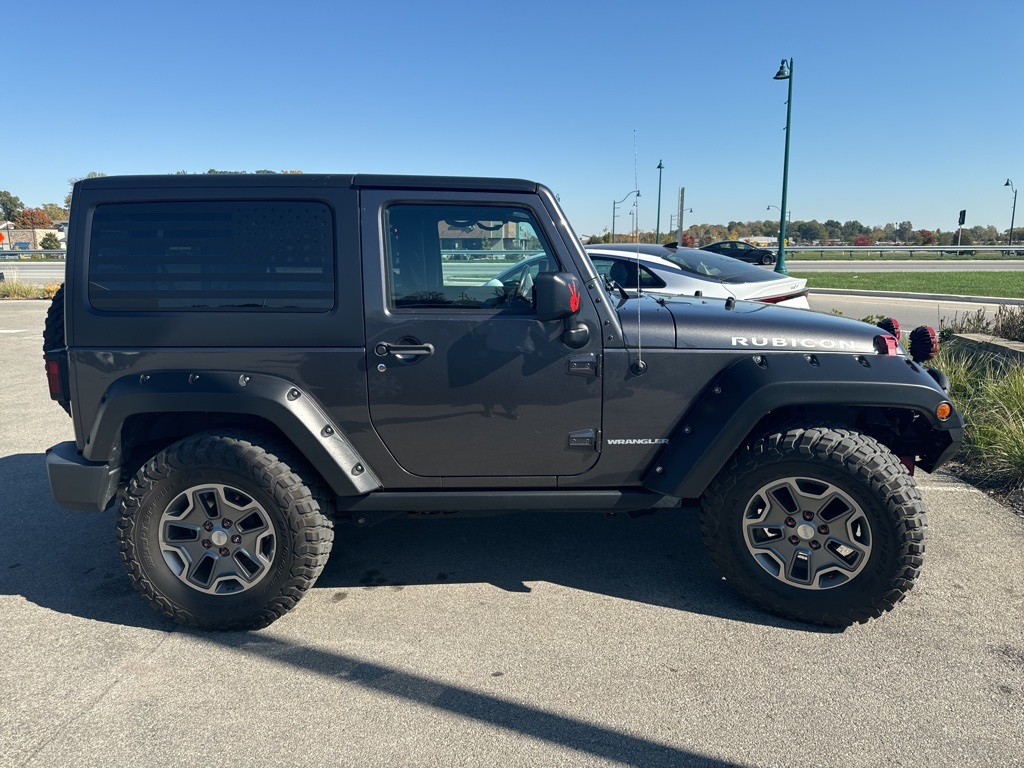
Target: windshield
pixel 724 268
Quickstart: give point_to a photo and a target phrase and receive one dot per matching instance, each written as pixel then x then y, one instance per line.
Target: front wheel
pixel 767 259
pixel 218 532
pixel 817 524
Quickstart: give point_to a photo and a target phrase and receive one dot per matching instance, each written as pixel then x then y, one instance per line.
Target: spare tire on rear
pixel 53 330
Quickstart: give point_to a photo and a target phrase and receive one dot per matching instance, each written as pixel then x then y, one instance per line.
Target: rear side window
pixel 247 255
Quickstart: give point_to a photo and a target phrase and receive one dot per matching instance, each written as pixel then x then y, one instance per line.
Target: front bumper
pixel 78 484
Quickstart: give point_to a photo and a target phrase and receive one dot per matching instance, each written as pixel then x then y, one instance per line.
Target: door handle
pixel 383 349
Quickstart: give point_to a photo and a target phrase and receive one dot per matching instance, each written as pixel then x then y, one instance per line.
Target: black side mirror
pixel 558 295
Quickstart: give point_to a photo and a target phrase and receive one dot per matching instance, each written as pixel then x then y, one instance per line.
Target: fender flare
pixel 277 400
pixel 736 400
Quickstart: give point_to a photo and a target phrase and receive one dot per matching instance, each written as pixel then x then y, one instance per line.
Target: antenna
pixel 638 366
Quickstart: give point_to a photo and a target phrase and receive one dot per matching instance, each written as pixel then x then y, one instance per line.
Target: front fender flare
pixel 277 400
pixel 744 393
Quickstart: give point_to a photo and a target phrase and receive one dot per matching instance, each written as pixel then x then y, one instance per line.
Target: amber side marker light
pixel 944 411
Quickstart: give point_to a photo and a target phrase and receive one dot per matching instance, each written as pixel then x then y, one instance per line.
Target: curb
pixel 919 296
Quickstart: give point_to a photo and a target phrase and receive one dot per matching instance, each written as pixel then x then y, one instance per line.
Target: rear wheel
pixel 219 533
pixel 816 524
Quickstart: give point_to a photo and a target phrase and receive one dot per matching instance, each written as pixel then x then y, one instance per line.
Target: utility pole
pixel 682 198
pixel 657 226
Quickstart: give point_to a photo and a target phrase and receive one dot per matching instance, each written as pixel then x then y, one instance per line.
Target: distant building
pixel 17 239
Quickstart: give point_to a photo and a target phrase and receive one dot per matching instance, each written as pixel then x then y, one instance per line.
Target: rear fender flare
pixel 299 417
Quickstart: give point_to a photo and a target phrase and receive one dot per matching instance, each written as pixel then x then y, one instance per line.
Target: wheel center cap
pixel 219 538
pixel 805 531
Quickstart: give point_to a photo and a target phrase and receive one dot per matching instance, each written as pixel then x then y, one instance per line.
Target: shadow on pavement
pixel 584 737
pixel 67 561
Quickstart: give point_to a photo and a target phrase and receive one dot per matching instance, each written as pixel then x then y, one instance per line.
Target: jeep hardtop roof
pixel 353 181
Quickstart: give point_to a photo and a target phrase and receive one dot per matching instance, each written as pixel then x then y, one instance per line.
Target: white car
pixel 660 270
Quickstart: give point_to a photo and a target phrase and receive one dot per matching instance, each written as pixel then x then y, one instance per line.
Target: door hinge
pixel 585 365
pixel 585 440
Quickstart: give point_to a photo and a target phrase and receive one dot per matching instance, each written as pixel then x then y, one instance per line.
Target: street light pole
pixel 785 74
pixel 615 205
pixel 1013 214
pixel 657 227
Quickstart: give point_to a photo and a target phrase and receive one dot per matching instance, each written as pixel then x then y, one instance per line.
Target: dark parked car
pixel 742 251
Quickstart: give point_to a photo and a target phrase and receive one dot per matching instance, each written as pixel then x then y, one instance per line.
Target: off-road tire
pixel 303 535
pixel 862 471
pixel 53 330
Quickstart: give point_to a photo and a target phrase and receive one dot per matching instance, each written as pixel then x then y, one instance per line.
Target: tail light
pixel 56 377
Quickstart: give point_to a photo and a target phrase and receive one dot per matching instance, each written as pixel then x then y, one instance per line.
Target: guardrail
pixel 941 250
pixel 19 255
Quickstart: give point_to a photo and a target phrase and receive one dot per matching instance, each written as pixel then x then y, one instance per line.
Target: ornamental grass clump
pixel 15 289
pixel 989 393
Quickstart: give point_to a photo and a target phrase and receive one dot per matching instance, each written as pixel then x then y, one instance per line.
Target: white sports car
pixel 668 271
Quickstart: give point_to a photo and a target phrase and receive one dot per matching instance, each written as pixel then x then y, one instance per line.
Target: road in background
pixel 965 265
pixel 909 312
pixel 525 640
pixel 39 274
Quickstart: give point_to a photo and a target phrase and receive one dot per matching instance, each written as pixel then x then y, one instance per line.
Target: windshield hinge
pixel 585 365
pixel 585 439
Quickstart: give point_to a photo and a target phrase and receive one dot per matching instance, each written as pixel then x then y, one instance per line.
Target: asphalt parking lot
pixel 526 640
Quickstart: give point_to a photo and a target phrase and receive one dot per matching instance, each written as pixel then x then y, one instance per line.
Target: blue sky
pixel 902 110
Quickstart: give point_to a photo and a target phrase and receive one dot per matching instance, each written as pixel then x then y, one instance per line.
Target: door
pixel 463 380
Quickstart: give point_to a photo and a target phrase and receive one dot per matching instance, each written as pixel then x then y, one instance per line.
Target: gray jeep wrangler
pixel 248 359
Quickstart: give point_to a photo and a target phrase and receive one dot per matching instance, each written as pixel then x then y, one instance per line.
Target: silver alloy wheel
pixel 217 539
pixel 807 533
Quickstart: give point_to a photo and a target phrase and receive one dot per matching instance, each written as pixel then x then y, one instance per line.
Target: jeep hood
pixel 704 323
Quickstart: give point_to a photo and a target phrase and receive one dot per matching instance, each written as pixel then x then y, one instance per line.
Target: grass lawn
pixel 999 284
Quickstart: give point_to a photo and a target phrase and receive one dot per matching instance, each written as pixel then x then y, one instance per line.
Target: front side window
pixel 459 257
pixel 210 255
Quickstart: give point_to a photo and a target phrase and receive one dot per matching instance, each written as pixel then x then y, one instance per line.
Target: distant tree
pixel 215 172
pixel 273 172
pixel 49 242
pixel 834 229
pixel 862 239
pixel 10 205
pixel 984 234
pixel 904 231
pixel 965 237
pixel 810 230
pixel 853 228
pixel 944 238
pixel 33 218
pixel 55 212
pixel 927 236
pixel 689 241
pixel 888 233
pixel 89 175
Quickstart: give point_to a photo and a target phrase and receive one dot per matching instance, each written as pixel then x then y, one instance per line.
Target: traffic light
pixel 963 216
